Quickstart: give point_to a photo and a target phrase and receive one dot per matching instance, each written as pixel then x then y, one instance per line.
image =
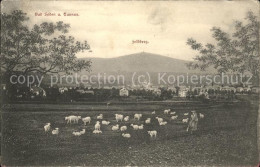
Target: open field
pixel 226 136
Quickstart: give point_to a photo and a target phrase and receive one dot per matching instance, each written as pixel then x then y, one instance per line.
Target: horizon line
pixel 133 54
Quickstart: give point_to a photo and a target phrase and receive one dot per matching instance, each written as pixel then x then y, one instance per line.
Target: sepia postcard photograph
pixel 129 83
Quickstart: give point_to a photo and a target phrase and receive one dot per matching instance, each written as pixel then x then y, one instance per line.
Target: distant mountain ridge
pixel 141 62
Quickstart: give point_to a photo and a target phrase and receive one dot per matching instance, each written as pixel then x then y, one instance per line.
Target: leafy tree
pixel 236 53
pixel 43 48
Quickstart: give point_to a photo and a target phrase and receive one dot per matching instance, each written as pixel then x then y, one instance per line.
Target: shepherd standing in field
pixel 193 122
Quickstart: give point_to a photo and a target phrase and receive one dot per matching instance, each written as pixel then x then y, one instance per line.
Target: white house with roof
pixel 63 90
pixel 239 89
pixel 123 92
pixel 38 91
pixel 183 91
pixel 157 92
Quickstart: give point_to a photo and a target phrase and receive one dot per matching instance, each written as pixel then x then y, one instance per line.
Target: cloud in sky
pixel 110 27
pixel 160 16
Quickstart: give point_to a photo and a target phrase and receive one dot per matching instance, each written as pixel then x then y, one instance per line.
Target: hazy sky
pixel 110 27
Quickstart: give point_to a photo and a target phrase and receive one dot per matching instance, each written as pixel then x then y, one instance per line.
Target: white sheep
pixel 186 114
pixel 47 127
pixel 100 116
pixel 174 117
pixel 153 112
pixel 123 128
pixel 119 117
pixel 86 119
pixel 141 127
pixel 185 120
pixel 152 133
pixel 126 118
pixel 126 135
pixel 97 131
pixel 162 123
pixel 172 113
pixel 73 118
pixel 55 131
pixel 78 118
pixel 83 131
pixel 115 128
pixel 135 127
pixel 148 121
pixel 97 126
pixel 138 116
pixel 201 115
pixel 159 119
pixel 76 133
pixel 166 111
pixel 69 118
pixel 105 122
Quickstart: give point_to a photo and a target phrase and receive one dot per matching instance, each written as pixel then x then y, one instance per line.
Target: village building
pixel 3 86
pixel 85 92
pixel 107 87
pixel 146 85
pixel 38 91
pixel 228 88
pixel 129 88
pixel 172 88
pixel 63 90
pixel 239 89
pixel 90 92
pixel 123 92
pixel 198 89
pixel 233 89
pixel 214 87
pixel 95 87
pixel 183 91
pixel 217 87
pixel 157 92
pixel 247 89
pixel 255 89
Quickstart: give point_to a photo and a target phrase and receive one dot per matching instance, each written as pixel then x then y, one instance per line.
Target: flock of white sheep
pixel 119 118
